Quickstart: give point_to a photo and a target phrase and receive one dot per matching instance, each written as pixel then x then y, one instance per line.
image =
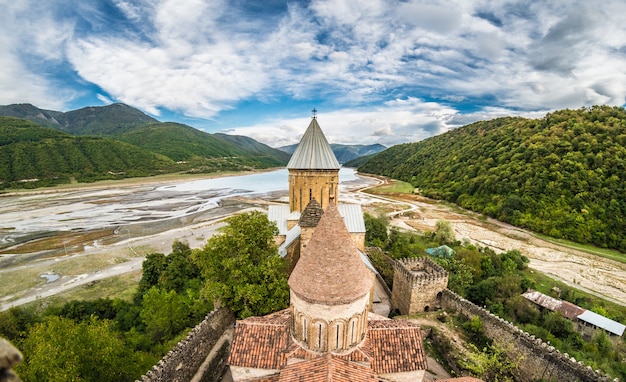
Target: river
pixel 28 217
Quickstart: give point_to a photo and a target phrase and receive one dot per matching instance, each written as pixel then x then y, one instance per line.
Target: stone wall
pixel 539 361
pixel 184 360
pixel 417 285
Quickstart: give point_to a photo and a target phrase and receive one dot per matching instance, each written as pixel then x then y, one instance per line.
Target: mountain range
pixel 345 153
pixel 163 146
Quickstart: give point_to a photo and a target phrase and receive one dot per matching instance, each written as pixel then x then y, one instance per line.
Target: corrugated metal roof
pixel 602 322
pixel 353 217
pixel 278 213
pixel 313 151
pixel 367 262
pixel 567 309
pixel 292 236
pixel 542 300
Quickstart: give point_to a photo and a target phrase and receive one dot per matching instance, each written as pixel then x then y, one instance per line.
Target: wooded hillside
pixel 35 156
pixel 561 175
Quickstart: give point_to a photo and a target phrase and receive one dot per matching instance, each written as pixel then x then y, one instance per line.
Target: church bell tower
pixel 313 170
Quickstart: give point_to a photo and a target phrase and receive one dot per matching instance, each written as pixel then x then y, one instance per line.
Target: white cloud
pixel 198 58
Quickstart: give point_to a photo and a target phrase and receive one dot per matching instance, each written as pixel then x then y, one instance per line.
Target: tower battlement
pixel 417 285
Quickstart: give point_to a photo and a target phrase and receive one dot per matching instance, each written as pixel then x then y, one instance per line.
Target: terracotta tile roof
pixel 327 368
pixel 313 151
pixel 260 344
pixel 391 346
pixel 328 261
pixel 396 346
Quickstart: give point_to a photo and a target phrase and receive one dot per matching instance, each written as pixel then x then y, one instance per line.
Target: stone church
pixel 328 333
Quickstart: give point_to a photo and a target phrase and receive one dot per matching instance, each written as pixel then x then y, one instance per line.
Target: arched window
pixel 304 331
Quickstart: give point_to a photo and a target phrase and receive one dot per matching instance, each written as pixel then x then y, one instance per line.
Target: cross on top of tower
pixel 314 113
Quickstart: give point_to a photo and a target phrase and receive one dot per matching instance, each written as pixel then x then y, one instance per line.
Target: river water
pixel 23 218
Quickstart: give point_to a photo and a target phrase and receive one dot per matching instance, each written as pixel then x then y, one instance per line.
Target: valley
pixel 121 251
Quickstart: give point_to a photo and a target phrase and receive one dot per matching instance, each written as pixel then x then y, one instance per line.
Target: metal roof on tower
pixel 313 151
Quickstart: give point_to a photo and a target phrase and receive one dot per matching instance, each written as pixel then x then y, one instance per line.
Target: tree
pixel 443 232
pixel 179 270
pixel 164 313
pixel 242 268
pixel 152 267
pixel 60 349
pixel 491 364
pixel 375 230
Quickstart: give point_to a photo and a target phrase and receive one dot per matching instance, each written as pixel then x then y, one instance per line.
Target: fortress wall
pixel 539 361
pixel 183 361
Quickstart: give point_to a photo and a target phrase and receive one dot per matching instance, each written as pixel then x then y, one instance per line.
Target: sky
pixel 376 71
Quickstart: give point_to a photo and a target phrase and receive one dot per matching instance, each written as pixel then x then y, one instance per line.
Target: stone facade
pixel 539 361
pixel 183 361
pixel 324 328
pixel 308 184
pixel 417 285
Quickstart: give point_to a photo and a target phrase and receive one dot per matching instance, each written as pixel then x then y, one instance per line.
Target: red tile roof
pixel 327 262
pixel 327 368
pixel 391 346
pixel 396 346
pixel 260 344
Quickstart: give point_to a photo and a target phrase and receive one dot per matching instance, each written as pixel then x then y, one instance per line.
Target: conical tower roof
pixel 313 151
pixel 330 270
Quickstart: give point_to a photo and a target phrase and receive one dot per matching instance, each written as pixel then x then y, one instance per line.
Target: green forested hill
pixel 33 156
pixel 255 148
pixel 183 143
pixel 561 175
pixel 110 120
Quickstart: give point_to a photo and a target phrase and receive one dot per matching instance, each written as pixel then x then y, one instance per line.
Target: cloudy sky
pixel 378 71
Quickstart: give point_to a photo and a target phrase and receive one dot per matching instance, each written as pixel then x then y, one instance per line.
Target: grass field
pixel 393 187
pixel 122 287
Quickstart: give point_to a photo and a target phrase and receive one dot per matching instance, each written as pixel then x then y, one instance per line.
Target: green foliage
pixel 375 230
pixel 164 313
pixel 460 273
pixel 169 302
pixel 33 156
pixel 15 322
pixel 383 264
pixel 183 143
pixel 490 364
pixel 444 234
pixel 60 349
pixel 242 268
pixel 560 175
pixel 136 145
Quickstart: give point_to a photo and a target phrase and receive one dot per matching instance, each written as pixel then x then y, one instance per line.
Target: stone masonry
pixel 538 360
pixel 417 285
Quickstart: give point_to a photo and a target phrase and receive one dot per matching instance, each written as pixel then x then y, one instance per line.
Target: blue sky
pixel 378 71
